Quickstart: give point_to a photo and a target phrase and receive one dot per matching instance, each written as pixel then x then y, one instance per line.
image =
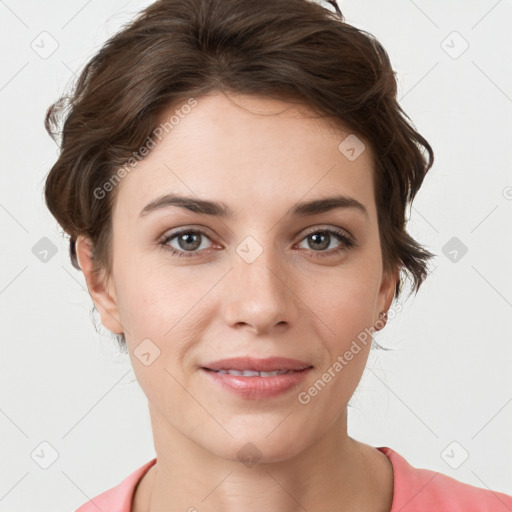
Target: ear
pixel 386 294
pixel 99 289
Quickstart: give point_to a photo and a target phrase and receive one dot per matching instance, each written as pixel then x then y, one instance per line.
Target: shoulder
pixel 422 490
pixel 118 498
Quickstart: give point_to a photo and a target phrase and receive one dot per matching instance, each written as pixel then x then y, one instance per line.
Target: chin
pixel 254 445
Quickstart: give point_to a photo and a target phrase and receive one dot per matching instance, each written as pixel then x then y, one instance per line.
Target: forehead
pixel 250 152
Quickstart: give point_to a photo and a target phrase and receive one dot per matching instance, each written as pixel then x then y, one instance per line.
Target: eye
pixel 188 241
pixel 321 239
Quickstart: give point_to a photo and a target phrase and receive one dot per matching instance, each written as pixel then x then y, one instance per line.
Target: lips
pixel 256 379
pixel 250 364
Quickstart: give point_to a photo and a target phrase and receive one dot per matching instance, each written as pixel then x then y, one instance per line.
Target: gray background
pixel 442 394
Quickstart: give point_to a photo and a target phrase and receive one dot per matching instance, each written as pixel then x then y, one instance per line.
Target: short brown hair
pixel 176 49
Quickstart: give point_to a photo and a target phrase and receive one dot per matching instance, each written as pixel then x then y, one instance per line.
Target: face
pixel 188 287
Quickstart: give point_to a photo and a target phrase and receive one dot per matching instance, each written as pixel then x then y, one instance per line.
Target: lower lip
pixel 258 387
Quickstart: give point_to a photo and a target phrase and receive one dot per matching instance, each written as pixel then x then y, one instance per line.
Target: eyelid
pixel 327 227
pixel 172 232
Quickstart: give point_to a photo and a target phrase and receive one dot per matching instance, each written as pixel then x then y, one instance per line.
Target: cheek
pixel 145 288
pixel 346 302
pixel 348 311
pixel 167 305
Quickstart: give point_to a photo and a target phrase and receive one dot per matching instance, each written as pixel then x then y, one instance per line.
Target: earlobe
pixel 98 287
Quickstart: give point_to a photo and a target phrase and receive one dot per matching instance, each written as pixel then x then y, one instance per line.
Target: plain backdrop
pixel 442 397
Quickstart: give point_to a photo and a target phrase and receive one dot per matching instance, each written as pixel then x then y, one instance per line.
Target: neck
pixel 335 472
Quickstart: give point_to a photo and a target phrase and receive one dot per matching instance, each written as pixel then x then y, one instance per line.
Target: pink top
pixel 414 490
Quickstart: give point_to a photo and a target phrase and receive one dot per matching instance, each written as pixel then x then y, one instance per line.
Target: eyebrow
pixel 219 209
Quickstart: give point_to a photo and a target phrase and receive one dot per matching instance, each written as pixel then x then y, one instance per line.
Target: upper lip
pixel 269 364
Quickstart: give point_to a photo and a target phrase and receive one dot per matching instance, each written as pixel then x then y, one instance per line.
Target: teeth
pixel 250 373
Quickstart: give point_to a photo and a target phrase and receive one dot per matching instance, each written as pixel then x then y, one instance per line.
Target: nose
pixel 260 294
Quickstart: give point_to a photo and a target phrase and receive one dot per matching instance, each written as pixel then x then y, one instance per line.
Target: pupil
pixel 185 238
pixel 315 237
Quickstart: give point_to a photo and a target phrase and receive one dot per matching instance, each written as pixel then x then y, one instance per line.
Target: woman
pixel 208 148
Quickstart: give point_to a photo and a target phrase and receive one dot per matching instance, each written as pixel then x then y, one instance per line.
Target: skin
pixel 259 156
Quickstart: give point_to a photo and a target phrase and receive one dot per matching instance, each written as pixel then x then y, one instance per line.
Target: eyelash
pixel 347 242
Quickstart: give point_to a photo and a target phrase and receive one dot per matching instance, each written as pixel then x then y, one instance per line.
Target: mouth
pixel 251 373
pixel 251 378
pixel 247 366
